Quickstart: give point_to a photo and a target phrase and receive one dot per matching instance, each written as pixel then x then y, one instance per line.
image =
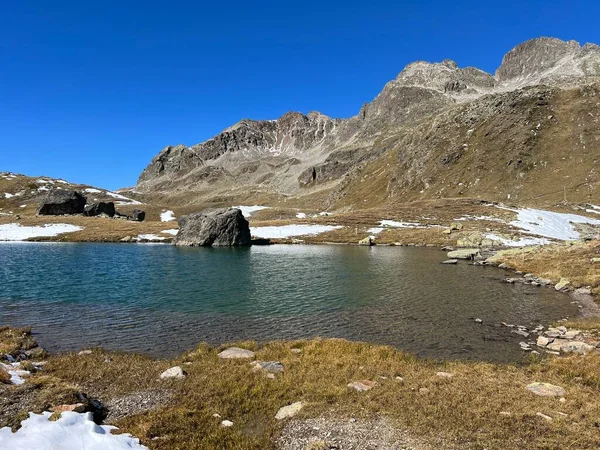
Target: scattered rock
pixel 128 239
pixel 544 416
pixel 520 333
pixel 465 253
pixel 543 341
pixel 174 372
pixel 236 353
pixel 226 423
pixel 366 241
pixel 95 209
pixel 362 386
pixel 563 284
pixel 288 411
pixel 224 227
pixel 546 389
pixel 456 226
pixel 578 347
pixel 296 350
pixel 423 391
pixel 478 320
pixel 138 215
pixel 76 407
pixel 450 261
pixel 84 352
pixel 505 413
pixel 61 201
pixel 444 374
pixel 269 366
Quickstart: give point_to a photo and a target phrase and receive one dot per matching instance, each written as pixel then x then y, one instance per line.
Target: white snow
pixel 394 224
pixel 286 231
pixel 301 215
pixel 550 224
pixel 172 231
pixel 7 195
pixel 72 431
pixel 93 191
pixel 16 374
pixel 41 180
pixel 522 242
pixel 325 213
pixel 16 232
pixel 167 216
pixel 150 237
pixel 126 200
pixel 248 210
pixel 375 230
pixel 488 218
pixel 43 188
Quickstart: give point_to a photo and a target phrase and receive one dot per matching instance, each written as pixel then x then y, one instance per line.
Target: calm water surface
pixel 162 300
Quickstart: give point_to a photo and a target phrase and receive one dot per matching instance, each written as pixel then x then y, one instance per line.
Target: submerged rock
pixel 61 201
pixel 224 227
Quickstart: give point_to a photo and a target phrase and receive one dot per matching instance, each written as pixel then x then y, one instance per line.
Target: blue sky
pixel 91 91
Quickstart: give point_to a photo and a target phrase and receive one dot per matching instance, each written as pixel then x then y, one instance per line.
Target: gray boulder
pixel 61 201
pixel 95 209
pixel 224 227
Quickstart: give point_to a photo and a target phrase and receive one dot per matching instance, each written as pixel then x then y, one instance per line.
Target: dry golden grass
pixel 463 411
pixel 4 376
pixel 569 260
pixel 15 339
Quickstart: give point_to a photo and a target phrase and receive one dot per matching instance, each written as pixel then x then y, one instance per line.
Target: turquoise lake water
pixel 162 300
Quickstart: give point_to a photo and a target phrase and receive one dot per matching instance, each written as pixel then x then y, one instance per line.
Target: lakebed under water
pixel 163 300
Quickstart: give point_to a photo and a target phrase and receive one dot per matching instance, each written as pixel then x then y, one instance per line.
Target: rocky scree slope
pixel 437 130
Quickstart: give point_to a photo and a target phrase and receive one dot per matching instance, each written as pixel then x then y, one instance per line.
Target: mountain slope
pixel 435 131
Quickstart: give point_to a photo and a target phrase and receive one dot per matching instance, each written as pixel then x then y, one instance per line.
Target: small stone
pixel 520 333
pixel 444 374
pixel 84 352
pixel 505 413
pixel 362 386
pixel 174 372
pixel 563 284
pixel 478 320
pixel 544 416
pixel 271 376
pixel 368 241
pixel 288 411
pixel 542 341
pixel 76 407
pixel 503 266
pixel 216 416
pixel 226 423
pixel 423 391
pixel 236 353
pixel 546 389
pixel 552 352
pixel 296 350
pixel 562 400
pixel 450 261
pixel 270 366
pixel 399 379
pixel 572 334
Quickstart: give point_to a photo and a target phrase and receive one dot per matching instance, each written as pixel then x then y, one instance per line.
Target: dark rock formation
pixel 138 215
pixel 224 227
pixel 95 209
pixel 61 201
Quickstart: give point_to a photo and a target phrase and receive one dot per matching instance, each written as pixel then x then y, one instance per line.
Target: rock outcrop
pixel 224 227
pixel 138 215
pixel 62 201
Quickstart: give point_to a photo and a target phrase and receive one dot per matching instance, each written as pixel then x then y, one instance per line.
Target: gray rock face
pixel 61 201
pixel 138 215
pixel 224 227
pixel 95 209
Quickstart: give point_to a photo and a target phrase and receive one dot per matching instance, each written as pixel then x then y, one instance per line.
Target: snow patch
pixel 522 242
pixel 125 200
pixel 248 210
pixel 16 232
pixel 167 216
pixel 7 195
pixel 150 237
pixel 93 190
pixel 72 431
pixel 16 374
pixel 285 231
pixel 301 215
pixel 375 230
pixel 395 224
pixel 172 232
pixel 550 224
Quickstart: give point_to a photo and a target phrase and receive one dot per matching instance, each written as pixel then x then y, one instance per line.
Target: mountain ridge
pixel 299 154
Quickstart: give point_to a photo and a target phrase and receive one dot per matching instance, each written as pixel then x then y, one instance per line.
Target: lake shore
pixel 216 402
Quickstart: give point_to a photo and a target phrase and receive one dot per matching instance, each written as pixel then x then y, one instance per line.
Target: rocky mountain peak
pixel 548 60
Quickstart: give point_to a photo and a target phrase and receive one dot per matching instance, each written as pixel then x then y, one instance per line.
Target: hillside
pixel 527 134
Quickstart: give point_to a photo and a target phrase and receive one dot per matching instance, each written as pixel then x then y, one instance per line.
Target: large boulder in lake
pixel 95 209
pixel 62 201
pixel 224 227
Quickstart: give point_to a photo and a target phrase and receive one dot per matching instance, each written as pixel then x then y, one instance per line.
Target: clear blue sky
pixel 91 91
